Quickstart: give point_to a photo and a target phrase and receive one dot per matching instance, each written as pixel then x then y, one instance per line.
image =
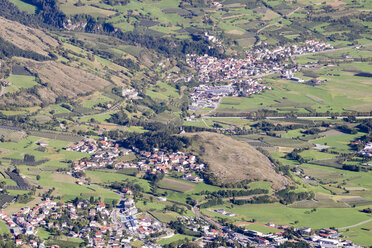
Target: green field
pixel 361 235
pixel 315 155
pixel 174 238
pixel 261 228
pixel 164 217
pixel 282 215
pixel 19 82
pixel 340 93
pixel 68 189
pixel 3 228
pixel 175 185
pixel 24 6
pixel 96 99
pixel 340 142
pixel 43 234
pixel 162 91
pixel 104 177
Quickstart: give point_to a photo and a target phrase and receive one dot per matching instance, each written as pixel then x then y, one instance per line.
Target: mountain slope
pixel 232 161
pixel 26 38
pixel 61 80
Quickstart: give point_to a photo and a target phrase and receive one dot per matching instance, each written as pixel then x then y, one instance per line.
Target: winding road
pixel 355 225
pixel 275 23
pixel 207 219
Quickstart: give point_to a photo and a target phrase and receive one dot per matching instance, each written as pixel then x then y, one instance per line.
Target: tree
pixel 29 158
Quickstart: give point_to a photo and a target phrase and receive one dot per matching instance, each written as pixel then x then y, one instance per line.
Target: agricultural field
pixel 68 189
pixel 175 185
pixel 344 91
pixel 107 177
pixel 279 214
pixel 24 6
pixel 20 82
pixel 164 217
pixel 360 234
pixel 173 239
pixel 95 99
pixel 261 228
pixel 162 91
pixel 109 74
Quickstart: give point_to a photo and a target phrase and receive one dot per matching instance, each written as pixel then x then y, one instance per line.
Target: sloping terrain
pixel 26 38
pixel 66 80
pixel 232 161
pixel 62 80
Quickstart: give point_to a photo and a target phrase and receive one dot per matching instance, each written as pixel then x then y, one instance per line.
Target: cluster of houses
pixel 311 46
pixel 239 73
pixel 217 4
pixel 5 83
pixel 260 61
pixel 138 226
pixel 159 161
pixel 87 145
pixel 105 154
pixel 208 96
pixel 212 38
pixel 323 238
pixel 223 212
pixel 60 216
pixel 366 151
pixel 101 230
pixel 289 74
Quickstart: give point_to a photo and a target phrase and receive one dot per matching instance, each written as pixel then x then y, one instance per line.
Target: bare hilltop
pixel 232 161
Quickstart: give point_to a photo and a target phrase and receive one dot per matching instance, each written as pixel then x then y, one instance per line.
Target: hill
pixel 61 80
pixel 26 38
pixel 232 161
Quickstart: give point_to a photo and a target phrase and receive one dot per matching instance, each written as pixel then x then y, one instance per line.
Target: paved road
pixel 331 50
pixel 355 225
pixel 214 109
pixel 283 117
pixel 209 220
pixel 319 117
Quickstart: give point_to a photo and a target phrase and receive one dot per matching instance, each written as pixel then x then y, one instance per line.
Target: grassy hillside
pixel 231 161
pixel 61 80
pixel 26 38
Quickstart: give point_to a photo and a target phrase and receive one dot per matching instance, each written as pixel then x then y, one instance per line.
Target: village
pixel 243 75
pixel 116 226
pixel 98 224
pixel 367 150
pixel 89 220
pixel 120 223
pixel 207 96
pixel 105 154
pixel 258 62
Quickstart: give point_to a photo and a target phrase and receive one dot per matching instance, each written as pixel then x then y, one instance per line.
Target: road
pixel 214 109
pixel 318 117
pixel 117 105
pixel 284 117
pixel 275 23
pixel 207 219
pixel 330 50
pixel 115 220
pixel 355 225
